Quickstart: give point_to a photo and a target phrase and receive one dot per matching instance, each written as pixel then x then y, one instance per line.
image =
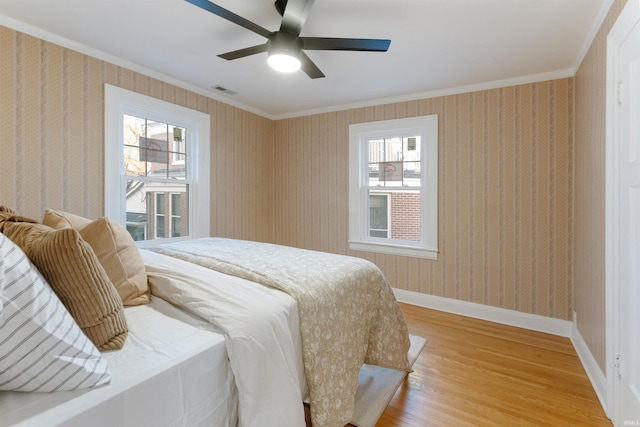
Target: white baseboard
pixel 591 367
pixel 504 316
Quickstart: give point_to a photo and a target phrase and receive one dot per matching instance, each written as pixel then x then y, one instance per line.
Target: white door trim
pixel 628 19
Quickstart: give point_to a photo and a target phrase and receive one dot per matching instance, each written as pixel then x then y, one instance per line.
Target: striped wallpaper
pixel 51 115
pixel 505 196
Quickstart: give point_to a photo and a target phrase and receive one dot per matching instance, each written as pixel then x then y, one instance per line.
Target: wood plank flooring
pixel 477 373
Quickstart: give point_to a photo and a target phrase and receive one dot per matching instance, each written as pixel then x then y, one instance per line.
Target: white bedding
pixel 262 330
pixel 172 371
pixel 348 312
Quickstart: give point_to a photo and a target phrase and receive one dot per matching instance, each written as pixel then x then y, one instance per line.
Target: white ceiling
pixel 437 46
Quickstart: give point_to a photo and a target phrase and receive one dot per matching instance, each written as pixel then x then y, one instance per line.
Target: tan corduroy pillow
pixel 72 269
pixel 116 251
pixel 7 213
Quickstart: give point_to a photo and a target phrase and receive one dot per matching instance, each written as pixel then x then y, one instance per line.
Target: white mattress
pixel 172 371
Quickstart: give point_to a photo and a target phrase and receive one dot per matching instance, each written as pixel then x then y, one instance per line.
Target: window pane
pixel 159 203
pixel 394 162
pixel 147 210
pixel 133 163
pixel 159 218
pixel 391 173
pixel 393 150
pixel 160 227
pixel 175 227
pixel 178 152
pixel 176 205
pixel 412 148
pixel 378 215
pixel 154 149
pixel 411 174
pixel 374 174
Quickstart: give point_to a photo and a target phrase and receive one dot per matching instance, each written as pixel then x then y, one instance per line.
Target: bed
pixel 347 312
pixel 234 332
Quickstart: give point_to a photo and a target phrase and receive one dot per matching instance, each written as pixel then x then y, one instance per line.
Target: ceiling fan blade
pixel 280 6
pixel 327 43
pixel 230 16
pixel 309 67
pixel 241 53
pixel 295 15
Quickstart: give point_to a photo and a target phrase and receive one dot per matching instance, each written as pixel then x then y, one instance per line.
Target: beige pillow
pixel 116 251
pixel 72 269
pixel 120 258
pixel 58 219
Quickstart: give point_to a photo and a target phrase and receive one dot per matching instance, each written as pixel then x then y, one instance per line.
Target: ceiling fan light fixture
pixel 283 62
pixel 284 52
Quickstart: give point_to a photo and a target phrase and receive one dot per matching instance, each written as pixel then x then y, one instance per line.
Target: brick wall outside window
pixel 405 216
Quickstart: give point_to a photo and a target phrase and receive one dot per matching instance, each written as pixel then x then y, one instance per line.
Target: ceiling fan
pixel 285 46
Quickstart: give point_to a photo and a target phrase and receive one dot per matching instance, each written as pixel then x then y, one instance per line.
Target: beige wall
pixel 505 196
pixel 589 281
pixel 51 116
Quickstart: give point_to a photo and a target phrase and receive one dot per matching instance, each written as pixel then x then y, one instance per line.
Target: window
pixel 393 187
pixel 156 166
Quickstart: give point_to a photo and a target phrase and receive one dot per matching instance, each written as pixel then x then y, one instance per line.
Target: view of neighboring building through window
pixel 393 186
pixel 155 178
pixel 178 206
pixel 156 166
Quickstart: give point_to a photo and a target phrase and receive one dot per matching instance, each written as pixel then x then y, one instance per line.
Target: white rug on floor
pixel 376 387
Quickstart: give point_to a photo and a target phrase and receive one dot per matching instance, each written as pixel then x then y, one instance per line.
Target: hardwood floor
pixel 477 373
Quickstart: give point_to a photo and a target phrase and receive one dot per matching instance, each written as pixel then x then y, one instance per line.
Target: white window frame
pixel 359 135
pixel 120 102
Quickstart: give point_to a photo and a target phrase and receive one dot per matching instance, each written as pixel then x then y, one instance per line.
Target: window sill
pixel 394 250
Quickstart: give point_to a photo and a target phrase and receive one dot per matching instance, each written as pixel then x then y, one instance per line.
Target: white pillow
pixel 41 346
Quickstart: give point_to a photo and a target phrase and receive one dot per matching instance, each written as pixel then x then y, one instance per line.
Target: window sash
pixel 360 135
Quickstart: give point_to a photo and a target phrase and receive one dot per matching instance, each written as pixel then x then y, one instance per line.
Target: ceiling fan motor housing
pixel 284 52
pixel 285 44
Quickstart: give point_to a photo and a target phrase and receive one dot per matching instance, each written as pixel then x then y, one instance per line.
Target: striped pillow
pixel 41 346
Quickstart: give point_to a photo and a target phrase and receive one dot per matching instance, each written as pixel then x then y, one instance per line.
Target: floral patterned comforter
pixel 348 313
